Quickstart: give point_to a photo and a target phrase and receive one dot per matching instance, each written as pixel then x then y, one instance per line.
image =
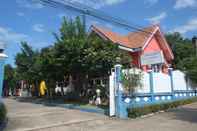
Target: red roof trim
pixel 167 45
pixel 149 39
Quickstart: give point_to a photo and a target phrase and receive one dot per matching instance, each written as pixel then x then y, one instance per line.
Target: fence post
pixel 121 110
pixel 2 62
pixel 170 70
pixel 151 84
pixel 187 86
pixel 117 81
pixel 112 105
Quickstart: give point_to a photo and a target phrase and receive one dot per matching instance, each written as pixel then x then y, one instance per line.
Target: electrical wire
pixel 86 10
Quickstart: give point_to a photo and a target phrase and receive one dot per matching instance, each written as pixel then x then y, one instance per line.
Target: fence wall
pixel 179 80
pixel 161 83
pixel 145 88
pixel 157 88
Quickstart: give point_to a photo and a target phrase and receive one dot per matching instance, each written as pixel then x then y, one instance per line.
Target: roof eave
pixel 125 48
pixel 129 49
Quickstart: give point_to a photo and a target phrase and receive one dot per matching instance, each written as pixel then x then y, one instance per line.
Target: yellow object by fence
pixel 43 88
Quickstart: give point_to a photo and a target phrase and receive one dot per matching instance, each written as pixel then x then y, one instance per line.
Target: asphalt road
pixel 27 116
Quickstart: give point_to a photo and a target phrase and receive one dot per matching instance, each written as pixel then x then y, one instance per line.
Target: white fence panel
pixel 179 80
pixel 161 83
pixel 145 88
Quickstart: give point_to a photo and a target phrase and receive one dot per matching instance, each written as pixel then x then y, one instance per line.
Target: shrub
pixel 3 112
pixel 140 111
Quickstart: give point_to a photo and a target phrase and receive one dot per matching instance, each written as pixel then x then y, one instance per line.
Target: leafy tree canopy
pixel 184 51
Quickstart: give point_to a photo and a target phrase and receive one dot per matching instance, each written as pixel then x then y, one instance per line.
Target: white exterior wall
pixel 161 83
pixel 179 80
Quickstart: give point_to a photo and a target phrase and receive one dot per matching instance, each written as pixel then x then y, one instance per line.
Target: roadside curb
pixel 77 107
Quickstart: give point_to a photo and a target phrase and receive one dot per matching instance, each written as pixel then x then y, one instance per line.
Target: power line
pixel 86 10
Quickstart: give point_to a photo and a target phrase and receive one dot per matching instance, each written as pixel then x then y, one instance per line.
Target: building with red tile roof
pixel 140 44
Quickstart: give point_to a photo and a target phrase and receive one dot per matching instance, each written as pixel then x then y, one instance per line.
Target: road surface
pixel 27 116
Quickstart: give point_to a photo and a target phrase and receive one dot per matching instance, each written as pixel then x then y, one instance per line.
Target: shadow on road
pixel 185 113
pixel 60 102
pixel 46 101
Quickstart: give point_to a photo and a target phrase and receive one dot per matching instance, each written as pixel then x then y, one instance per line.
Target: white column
pixel 112 94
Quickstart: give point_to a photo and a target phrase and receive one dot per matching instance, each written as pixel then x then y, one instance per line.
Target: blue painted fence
pixel 123 102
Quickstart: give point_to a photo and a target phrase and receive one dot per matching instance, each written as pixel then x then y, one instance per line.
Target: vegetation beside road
pixel 185 55
pixel 140 111
pixel 3 113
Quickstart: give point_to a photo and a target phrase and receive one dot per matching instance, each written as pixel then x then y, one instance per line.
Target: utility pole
pixel 194 42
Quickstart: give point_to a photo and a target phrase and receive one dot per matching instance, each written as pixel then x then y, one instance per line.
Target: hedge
pixel 3 113
pixel 140 111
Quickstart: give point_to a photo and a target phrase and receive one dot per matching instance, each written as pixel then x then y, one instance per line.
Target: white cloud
pixel 20 14
pixel 191 25
pixel 111 2
pixel 9 36
pixel 34 4
pixel 157 19
pixel 31 4
pixel 151 2
pixel 98 3
pixel 38 28
pixel 185 3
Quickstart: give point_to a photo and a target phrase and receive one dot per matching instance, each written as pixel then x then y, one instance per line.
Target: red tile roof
pixel 132 40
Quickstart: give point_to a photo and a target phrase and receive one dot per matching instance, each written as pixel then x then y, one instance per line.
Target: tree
pixel 190 68
pixel 9 72
pixel 132 80
pixel 181 47
pixel 185 58
pixel 74 54
pixel 81 55
pixel 10 76
pixel 100 56
pixel 26 65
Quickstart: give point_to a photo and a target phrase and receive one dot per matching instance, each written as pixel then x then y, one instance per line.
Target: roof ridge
pixel 106 29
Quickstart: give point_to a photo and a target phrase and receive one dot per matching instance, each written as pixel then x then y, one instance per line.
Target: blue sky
pixel 21 20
